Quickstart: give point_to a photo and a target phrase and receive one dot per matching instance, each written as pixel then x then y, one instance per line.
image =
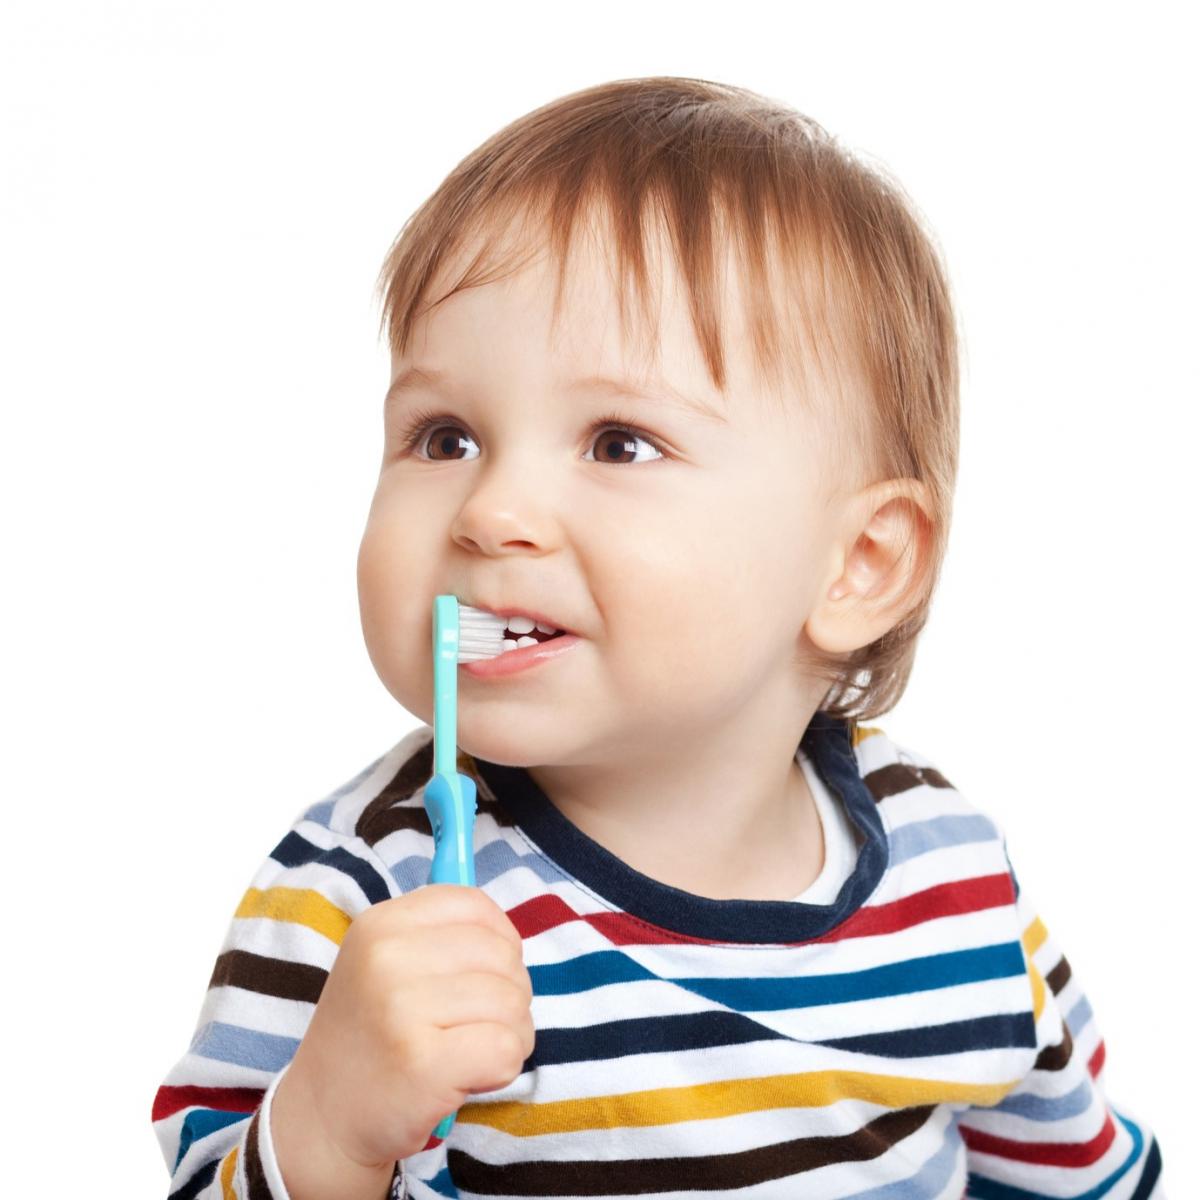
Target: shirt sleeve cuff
pixel 266 1182
pixel 269 1176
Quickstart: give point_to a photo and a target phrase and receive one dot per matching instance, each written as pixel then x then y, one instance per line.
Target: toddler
pixel 726 940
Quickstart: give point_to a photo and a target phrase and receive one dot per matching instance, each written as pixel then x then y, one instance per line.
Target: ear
pixel 878 566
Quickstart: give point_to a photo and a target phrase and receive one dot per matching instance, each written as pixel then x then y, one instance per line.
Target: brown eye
pixel 437 438
pixel 443 441
pixel 615 443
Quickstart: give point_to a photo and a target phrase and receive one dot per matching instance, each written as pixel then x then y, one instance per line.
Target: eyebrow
pixel 657 391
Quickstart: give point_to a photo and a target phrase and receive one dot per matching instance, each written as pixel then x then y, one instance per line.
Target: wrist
pixel 312 1165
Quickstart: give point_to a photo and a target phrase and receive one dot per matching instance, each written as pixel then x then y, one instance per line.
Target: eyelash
pixel 424 420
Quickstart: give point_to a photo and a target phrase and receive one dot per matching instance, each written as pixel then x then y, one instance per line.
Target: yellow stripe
pixel 300 906
pixel 862 732
pixel 228 1167
pixel 724 1098
pixel 1035 934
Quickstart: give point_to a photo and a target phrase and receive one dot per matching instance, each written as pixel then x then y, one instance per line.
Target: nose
pixel 506 513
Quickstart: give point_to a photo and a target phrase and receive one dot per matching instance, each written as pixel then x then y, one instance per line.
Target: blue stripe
pixel 442 1184
pixel 496 857
pixel 705 1030
pixel 499 857
pixel 585 972
pixel 199 1123
pixel 412 871
pixel 1079 1016
pixel 893 979
pixel 320 814
pixel 295 851
pixel 919 837
pixel 1000 1031
pixel 604 967
pixel 245 1047
pixel 646 1035
pixel 1049 1108
pixel 1150 1173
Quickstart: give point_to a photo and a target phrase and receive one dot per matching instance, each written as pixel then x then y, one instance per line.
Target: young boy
pixel 725 940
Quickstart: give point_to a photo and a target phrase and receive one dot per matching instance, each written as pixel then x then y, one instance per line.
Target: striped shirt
pixel 916 1034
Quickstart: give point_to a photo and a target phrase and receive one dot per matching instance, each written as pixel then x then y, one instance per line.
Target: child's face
pixel 688 570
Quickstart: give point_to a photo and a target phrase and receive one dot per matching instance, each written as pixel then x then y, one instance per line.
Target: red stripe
pixel 1096 1062
pixel 548 911
pixel 942 900
pixel 171 1099
pixel 1046 1154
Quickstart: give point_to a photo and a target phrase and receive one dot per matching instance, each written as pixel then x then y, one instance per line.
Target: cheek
pixel 376 573
pixel 716 592
pixel 673 588
pixel 395 624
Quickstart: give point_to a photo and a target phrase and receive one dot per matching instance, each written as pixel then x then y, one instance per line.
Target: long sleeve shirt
pixel 916 1034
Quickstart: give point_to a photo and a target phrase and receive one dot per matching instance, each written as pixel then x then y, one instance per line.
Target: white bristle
pixel 480 633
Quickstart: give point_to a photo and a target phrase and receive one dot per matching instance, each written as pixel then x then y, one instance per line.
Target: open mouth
pixel 524 653
pixel 514 641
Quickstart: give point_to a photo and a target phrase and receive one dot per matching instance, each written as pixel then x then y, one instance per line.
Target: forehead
pixel 589 311
pixel 593 304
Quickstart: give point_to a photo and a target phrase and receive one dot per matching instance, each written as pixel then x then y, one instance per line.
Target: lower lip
pixel 527 657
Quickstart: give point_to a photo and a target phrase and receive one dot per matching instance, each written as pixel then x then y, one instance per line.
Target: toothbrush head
pixel 480 634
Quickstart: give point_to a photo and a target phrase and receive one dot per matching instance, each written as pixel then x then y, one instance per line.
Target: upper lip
pixel 514 610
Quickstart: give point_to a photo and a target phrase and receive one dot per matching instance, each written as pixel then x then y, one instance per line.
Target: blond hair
pixel 858 267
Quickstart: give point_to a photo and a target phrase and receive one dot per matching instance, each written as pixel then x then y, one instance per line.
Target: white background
pixel 198 199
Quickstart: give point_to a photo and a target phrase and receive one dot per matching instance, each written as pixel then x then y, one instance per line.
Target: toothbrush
pixel 450 795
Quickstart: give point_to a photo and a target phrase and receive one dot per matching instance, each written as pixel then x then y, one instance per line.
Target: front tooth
pixel 527 641
pixel 507 644
pixel 546 628
pixel 520 624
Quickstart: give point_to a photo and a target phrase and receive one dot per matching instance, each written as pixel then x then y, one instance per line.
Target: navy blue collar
pixel 828 743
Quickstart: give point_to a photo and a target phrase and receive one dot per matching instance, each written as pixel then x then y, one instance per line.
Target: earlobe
pixel 879 569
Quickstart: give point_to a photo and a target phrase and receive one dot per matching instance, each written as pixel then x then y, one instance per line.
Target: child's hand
pixel 428 1001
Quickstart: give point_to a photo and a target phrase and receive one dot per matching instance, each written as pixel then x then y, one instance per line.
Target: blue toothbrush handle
pixel 450 803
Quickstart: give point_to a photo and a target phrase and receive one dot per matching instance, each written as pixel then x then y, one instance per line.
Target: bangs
pixel 732 221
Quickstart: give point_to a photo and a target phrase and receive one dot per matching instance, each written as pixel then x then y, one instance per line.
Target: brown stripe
pixel 1054 1058
pixel 934 777
pixel 413 773
pixel 256 1177
pixel 268 976
pixel 900 777
pixel 1059 977
pixel 700 1173
pixel 389 812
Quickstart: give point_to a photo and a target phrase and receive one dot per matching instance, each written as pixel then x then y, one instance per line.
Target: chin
pixel 501 744
pixel 501 752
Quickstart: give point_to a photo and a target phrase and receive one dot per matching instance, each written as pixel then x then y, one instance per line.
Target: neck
pixel 728 815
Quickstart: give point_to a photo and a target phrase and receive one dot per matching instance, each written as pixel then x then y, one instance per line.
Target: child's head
pixel 769 535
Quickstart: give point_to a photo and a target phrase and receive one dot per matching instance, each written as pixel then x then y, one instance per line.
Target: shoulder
pixel 936 835
pixel 383 797
pixel 908 787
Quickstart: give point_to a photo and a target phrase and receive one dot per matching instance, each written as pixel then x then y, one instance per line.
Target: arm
pixel 1055 1133
pixel 212 1115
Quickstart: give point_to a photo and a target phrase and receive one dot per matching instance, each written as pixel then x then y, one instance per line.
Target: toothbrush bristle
pixel 480 633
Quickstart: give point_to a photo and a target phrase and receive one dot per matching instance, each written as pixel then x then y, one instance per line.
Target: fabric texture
pixel 914 1032
pixel 840 838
